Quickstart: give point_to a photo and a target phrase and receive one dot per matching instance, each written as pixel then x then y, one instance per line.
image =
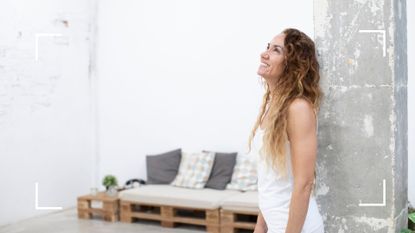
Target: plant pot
pixel 112 191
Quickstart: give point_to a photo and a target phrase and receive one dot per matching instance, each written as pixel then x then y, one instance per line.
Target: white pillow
pixel 245 176
pixel 194 170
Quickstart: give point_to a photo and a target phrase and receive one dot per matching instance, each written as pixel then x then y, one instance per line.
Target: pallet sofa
pixel 224 211
pixel 211 189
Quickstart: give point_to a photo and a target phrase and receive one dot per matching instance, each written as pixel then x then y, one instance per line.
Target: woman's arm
pixel 301 131
pixel 261 226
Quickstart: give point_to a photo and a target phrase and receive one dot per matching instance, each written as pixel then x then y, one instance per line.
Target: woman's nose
pixel 264 55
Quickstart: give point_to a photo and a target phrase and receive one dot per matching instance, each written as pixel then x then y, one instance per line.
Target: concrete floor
pixel 67 221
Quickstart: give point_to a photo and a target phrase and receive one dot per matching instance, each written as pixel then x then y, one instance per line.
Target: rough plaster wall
pixel 45 117
pixel 363 120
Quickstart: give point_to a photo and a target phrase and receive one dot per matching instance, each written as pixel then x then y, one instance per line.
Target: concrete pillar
pixel 362 160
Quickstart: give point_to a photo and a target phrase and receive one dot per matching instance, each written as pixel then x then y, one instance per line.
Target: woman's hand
pixel 261 225
pixel 260 229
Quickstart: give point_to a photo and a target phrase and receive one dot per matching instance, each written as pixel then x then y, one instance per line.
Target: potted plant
pixel 109 181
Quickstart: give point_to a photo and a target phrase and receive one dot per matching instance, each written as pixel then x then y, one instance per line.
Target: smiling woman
pixel 272 60
pixel 287 139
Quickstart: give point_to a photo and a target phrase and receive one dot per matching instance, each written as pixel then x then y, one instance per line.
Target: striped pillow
pixel 194 170
pixel 244 177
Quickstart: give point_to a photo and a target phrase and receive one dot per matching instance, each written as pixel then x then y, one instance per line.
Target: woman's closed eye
pixel 276 48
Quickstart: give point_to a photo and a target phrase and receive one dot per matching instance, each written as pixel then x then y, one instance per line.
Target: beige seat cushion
pixel 246 202
pixel 176 196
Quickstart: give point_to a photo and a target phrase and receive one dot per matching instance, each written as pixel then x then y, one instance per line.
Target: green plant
pixel 411 216
pixel 109 180
pixel 411 219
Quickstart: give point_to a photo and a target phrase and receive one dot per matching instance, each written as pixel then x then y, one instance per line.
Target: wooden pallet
pixel 169 216
pixel 234 220
pixel 109 210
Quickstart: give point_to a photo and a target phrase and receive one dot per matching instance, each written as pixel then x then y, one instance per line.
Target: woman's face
pixel 272 60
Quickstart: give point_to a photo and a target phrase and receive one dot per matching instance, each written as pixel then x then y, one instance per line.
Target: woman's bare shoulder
pixel 300 106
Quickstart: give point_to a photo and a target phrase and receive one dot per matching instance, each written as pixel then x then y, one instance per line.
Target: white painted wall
pixel 45 119
pixel 182 74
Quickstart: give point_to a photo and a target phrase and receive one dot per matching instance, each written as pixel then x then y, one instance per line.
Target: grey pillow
pixel 163 168
pixel 222 170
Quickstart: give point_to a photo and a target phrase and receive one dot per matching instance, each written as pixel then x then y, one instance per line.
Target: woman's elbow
pixel 304 186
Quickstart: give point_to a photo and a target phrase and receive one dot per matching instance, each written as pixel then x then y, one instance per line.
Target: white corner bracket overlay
pixel 382 34
pixel 377 204
pixel 37 207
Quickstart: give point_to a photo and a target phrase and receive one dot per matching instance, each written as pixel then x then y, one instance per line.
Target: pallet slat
pixel 230 222
pixel 170 215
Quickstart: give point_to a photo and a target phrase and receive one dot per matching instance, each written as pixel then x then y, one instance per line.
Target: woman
pixel 286 140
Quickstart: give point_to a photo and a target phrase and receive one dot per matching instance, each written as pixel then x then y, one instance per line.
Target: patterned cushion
pixel 194 170
pixel 244 175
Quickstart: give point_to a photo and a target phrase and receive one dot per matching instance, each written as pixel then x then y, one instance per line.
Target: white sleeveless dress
pixel 274 195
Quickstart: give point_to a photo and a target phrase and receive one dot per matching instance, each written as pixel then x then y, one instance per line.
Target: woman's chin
pixel 262 74
pixel 262 71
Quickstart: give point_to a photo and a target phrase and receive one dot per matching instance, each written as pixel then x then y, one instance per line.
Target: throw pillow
pixel 222 170
pixel 194 170
pixel 244 175
pixel 163 168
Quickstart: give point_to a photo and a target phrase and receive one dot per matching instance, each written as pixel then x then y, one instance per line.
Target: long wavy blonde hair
pixel 299 79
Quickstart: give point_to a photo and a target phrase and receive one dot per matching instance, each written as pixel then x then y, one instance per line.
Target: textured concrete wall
pixel 362 164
